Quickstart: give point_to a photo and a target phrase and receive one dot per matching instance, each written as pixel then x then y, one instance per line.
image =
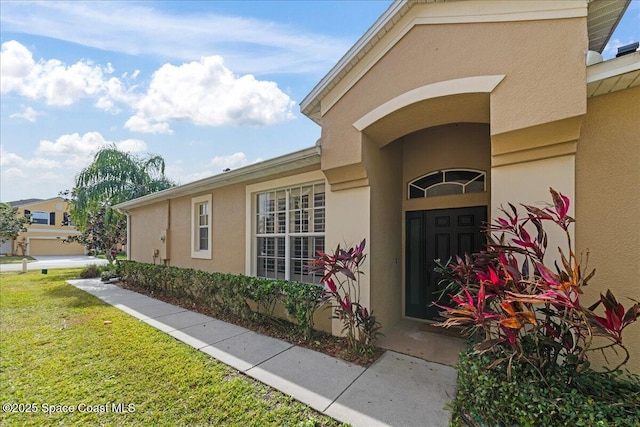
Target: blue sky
pixel 206 85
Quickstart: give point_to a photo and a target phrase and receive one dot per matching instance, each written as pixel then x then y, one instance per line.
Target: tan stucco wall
pixel 347 223
pixel 529 183
pixel 147 225
pixel 459 145
pixel 543 62
pixel 227 224
pixel 384 247
pixel 608 203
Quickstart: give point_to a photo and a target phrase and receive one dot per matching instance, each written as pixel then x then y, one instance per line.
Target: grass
pixel 119 256
pixel 15 259
pixel 62 346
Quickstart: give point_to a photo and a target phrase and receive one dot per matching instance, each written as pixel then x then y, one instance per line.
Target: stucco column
pixel 347 223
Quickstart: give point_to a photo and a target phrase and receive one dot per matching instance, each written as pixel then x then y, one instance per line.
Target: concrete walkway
pixel 397 390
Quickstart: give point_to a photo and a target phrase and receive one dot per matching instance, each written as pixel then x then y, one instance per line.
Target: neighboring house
pixel 50 225
pixel 441 113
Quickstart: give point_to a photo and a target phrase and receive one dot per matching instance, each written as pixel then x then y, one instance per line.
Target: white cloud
pixel 233 161
pixel 205 93
pixel 27 113
pixel 142 125
pixel 40 163
pixel 54 164
pixel 78 150
pixel 86 145
pixel 612 46
pixel 249 45
pixel 131 145
pixel 12 159
pixel 22 178
pixel 7 159
pixel 215 166
pixel 208 93
pixel 52 80
pixel 14 172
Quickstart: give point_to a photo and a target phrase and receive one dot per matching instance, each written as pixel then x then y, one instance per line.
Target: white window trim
pixel 195 201
pixel 287 235
pixel 482 174
pixel 250 223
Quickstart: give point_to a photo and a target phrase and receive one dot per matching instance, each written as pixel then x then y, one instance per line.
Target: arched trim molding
pixel 447 182
pixel 465 85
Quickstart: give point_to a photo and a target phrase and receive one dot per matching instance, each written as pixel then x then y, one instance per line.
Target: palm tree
pixel 113 177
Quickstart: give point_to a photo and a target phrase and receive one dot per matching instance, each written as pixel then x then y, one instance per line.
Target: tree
pixel 11 223
pixel 103 231
pixel 113 177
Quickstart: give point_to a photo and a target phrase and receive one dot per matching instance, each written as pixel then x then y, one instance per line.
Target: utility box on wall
pixel 163 244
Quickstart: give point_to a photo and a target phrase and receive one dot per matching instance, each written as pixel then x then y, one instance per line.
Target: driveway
pixel 64 261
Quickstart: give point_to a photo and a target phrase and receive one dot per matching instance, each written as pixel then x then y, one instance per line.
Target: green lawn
pixel 62 346
pixel 103 256
pixel 15 259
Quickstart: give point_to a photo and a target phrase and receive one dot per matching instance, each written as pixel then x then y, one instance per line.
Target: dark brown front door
pixel 437 234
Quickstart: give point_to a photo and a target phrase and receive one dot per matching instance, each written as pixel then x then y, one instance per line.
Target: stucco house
pixel 441 113
pixel 50 225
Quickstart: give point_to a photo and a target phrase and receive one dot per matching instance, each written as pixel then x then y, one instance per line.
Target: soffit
pixel 613 75
pixel 602 18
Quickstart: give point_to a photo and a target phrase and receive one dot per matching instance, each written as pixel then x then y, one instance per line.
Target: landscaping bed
pixel 273 327
pixel 493 397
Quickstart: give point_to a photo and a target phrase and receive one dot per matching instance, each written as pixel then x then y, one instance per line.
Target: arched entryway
pixel 446 174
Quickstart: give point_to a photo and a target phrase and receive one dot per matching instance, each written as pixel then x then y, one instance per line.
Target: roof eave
pixel 602 19
pixel 289 162
pixel 613 75
pixel 310 105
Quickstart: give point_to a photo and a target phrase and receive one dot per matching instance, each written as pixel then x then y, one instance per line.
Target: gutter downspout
pixel 128 236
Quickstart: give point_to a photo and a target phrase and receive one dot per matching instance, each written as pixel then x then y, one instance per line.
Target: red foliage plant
pixel 342 288
pixel 523 309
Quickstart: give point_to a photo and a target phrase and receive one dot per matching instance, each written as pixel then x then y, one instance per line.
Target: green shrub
pixel 562 398
pixel 107 275
pixel 235 293
pixel 90 272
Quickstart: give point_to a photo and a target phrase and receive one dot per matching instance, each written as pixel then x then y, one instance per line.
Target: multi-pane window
pixel 290 226
pixel 201 227
pixel 447 182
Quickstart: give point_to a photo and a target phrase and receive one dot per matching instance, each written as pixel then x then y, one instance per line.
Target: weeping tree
pixel 113 177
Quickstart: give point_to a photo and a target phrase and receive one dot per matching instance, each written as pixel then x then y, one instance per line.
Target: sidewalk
pixel 397 390
pixel 55 261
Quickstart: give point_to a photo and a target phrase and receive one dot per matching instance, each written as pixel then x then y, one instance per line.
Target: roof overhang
pixel 613 75
pixel 602 18
pixel 287 163
pixel 31 202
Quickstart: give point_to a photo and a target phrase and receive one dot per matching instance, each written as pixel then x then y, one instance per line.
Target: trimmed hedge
pixel 228 291
pixel 562 398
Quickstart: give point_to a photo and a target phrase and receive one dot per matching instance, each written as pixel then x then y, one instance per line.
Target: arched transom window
pixel 446 182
